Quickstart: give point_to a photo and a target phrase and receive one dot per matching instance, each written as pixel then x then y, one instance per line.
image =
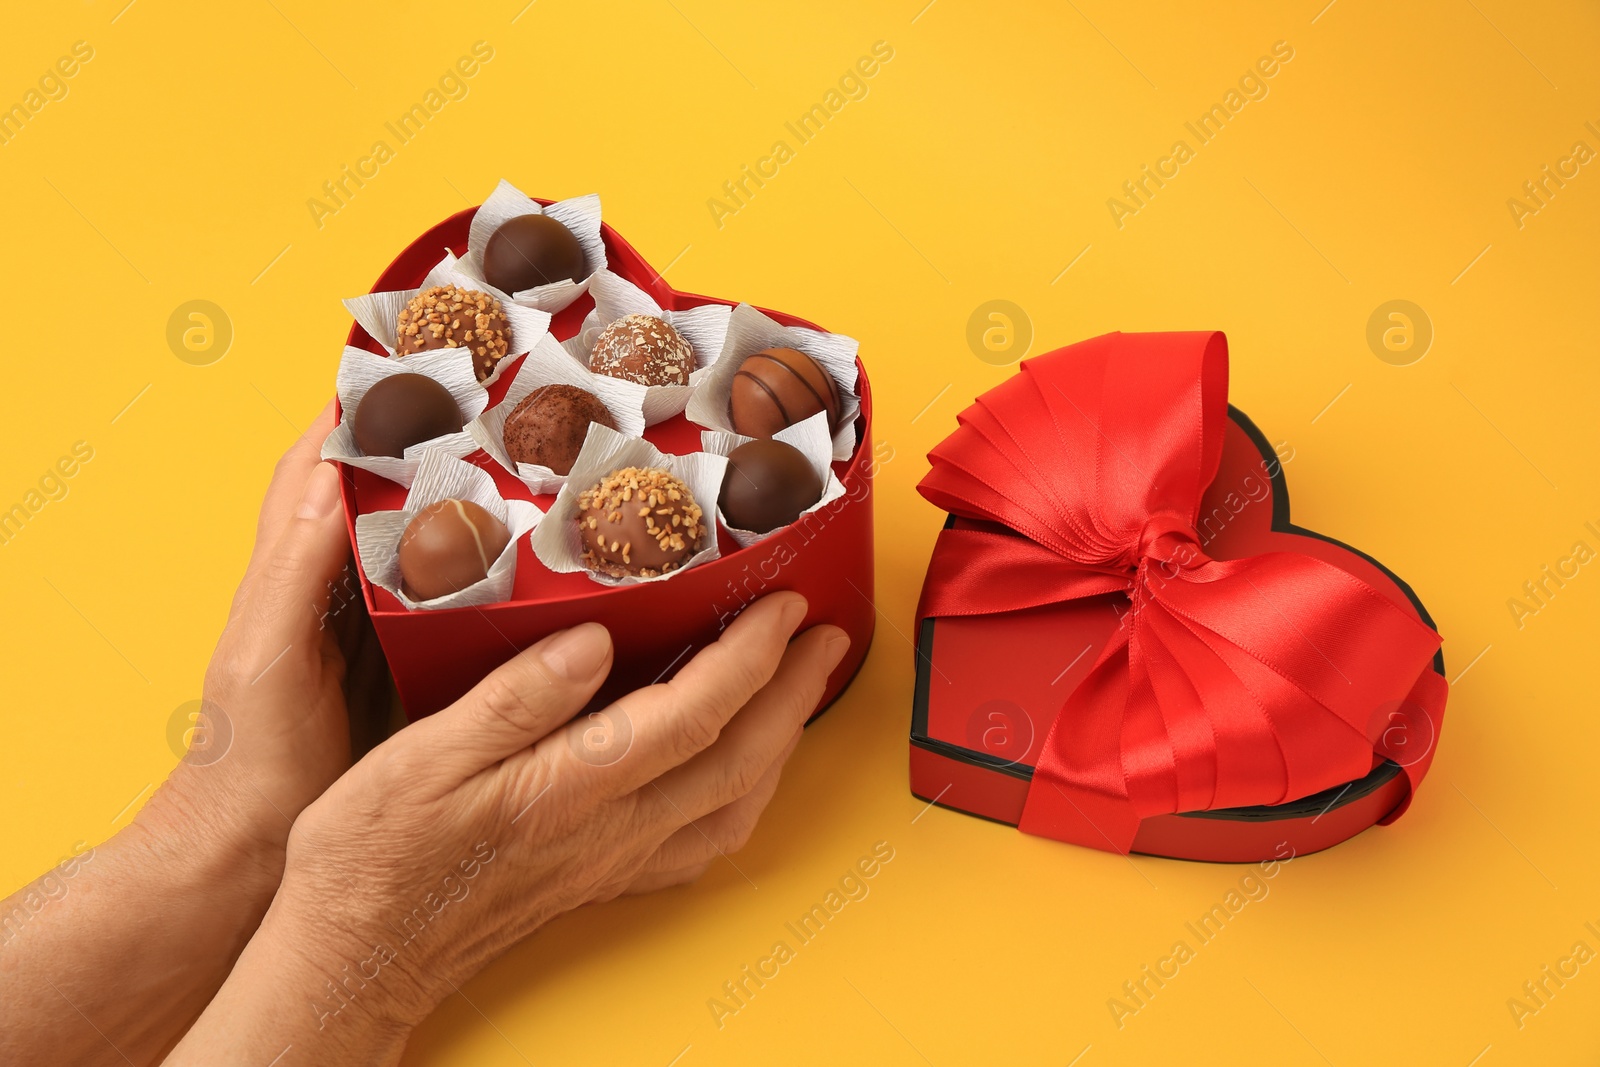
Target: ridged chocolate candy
pixel 778 387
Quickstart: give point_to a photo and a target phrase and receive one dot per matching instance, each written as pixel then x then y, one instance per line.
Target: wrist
pixel 203 827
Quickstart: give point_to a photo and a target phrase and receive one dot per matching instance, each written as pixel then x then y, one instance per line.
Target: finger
pixel 288 481
pixel 733 766
pixel 291 592
pixel 667 723
pixel 521 701
pixel 724 831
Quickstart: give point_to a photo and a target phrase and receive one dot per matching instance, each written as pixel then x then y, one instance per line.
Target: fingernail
pixel 321 493
pixel 577 653
pixel 793 612
pixel 835 648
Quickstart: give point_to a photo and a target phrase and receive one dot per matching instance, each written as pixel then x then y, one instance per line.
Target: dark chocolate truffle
pixel 778 387
pixel 639 521
pixel 768 485
pixel 449 317
pixel 449 546
pixel 643 349
pixel 547 427
pixel 403 410
pixel 530 251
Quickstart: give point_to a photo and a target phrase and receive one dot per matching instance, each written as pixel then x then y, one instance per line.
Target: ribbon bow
pixel 1230 682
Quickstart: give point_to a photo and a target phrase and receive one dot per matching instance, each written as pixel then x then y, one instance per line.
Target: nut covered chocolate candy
pixel 547 427
pixel 778 387
pixel 450 317
pixel 639 521
pixel 643 349
pixel 529 251
pixel 449 546
pixel 403 410
pixel 767 485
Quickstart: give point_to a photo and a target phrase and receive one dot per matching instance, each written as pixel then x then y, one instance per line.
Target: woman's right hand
pixel 467 830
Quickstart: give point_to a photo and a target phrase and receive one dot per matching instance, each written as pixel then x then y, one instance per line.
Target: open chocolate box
pixel 976 734
pixel 437 655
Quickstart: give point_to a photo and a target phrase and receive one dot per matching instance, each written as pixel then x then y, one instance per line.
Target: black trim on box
pixel 1318 803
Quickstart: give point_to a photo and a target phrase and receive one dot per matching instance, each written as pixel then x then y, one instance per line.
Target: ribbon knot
pixel 1232 682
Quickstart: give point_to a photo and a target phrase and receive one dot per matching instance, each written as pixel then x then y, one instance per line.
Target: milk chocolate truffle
pixel 449 317
pixel 529 251
pixel 778 387
pixel 639 521
pixel 767 485
pixel 643 349
pixel 449 546
pixel 548 425
pixel 403 410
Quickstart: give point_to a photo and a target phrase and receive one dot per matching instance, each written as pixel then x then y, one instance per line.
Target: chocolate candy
pixel 449 546
pixel 639 521
pixel 450 317
pixel 529 251
pixel 403 410
pixel 548 425
pixel 643 349
pixel 778 387
pixel 767 485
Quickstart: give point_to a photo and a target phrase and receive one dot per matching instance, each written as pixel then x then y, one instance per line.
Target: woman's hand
pixel 129 951
pixel 469 829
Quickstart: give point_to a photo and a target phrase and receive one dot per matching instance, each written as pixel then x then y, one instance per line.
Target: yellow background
pixel 977 167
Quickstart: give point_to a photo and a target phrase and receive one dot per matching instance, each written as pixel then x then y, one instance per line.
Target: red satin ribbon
pixel 1230 682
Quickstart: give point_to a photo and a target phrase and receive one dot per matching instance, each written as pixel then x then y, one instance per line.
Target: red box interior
pixel 436 656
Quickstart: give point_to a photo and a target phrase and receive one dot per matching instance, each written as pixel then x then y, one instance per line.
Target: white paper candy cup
pixel 379 313
pixel 360 370
pixel 749 331
pixel 810 436
pixel 547 364
pixel 581 215
pixel 556 541
pixel 703 327
pixel 443 477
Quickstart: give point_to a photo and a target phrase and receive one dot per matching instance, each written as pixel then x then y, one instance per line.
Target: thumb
pixel 521 701
pixel 294 585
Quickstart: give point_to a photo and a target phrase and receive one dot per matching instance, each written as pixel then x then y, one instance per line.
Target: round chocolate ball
pixel 643 349
pixel 639 521
pixel 449 546
pixel 403 410
pixel 778 387
pixel 547 427
pixel 767 485
pixel 529 251
pixel 450 317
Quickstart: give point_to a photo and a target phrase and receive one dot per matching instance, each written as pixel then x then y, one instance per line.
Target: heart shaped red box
pixel 976 732
pixel 436 656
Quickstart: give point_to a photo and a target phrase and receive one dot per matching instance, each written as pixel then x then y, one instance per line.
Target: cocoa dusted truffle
pixel 639 521
pixel 547 427
pixel 403 410
pixel 450 317
pixel 449 546
pixel 767 485
pixel 778 387
pixel 643 349
pixel 529 251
